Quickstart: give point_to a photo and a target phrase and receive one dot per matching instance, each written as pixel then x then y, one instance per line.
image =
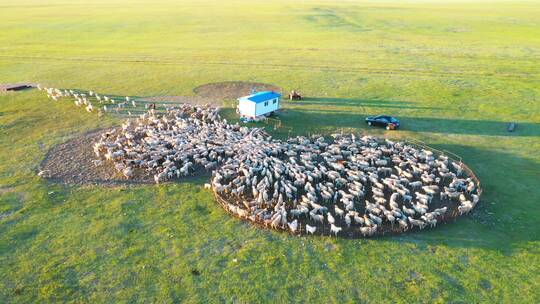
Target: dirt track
pixel 72 162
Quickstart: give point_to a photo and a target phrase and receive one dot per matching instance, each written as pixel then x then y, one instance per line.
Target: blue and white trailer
pixel 258 104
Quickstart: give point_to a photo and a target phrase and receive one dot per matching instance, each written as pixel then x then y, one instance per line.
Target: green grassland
pixel 455 73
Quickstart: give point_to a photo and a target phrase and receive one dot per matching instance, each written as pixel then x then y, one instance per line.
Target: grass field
pixel 455 73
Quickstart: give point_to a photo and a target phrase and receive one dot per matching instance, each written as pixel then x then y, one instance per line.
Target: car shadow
pixel 354 118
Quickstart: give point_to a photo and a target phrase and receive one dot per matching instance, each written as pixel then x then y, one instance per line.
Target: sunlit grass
pixel 455 74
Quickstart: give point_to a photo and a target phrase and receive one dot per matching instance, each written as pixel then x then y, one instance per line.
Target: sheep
pixel 423 196
pixel 408 211
pixel 330 218
pixel 368 231
pixel 358 220
pixel 311 229
pixel 339 211
pixel 293 226
pixel 465 207
pixel 43 173
pixel 348 220
pixel 377 220
pixel 128 172
pixel 429 191
pixel 335 229
pixel 440 211
pixel 276 222
pixel 316 217
pixel 418 223
pixel 403 225
pixel 420 209
pixel 407 198
pixel 475 199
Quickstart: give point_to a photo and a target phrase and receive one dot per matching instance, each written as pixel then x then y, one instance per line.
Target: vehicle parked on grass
pixel 389 122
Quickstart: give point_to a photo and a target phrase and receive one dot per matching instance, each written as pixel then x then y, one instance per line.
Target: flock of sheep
pixel 87 100
pixel 345 185
pixel 175 144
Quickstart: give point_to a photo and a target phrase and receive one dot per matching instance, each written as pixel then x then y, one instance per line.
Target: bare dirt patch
pixel 232 89
pixel 72 162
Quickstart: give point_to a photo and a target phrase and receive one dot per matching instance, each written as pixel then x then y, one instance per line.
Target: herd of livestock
pixel 345 185
pixel 92 101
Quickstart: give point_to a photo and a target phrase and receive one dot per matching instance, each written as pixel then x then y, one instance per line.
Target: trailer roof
pixel 261 96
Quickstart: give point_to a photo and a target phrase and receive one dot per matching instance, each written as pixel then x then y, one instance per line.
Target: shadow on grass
pixel 345 102
pixel 468 127
pixel 503 220
pixel 309 120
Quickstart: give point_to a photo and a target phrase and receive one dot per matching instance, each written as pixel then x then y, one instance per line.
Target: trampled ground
pixel 454 73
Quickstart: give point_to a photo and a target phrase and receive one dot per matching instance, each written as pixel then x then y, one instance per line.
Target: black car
pixel 389 122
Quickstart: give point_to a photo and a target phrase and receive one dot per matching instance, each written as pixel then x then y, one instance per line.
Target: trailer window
pixel 266 103
pixel 275 100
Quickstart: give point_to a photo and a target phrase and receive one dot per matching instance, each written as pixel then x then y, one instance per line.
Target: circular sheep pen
pixel 232 89
pixel 345 185
pixel 360 205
